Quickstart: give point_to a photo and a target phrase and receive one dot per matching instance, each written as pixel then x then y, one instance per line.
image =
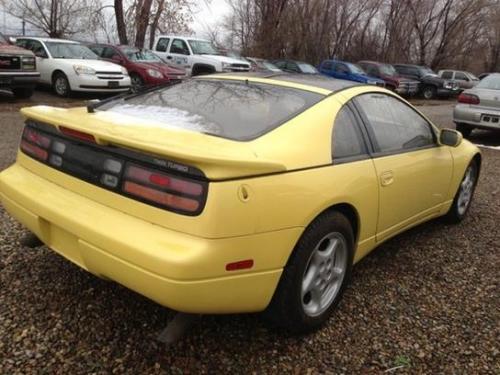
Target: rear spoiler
pixel 218 158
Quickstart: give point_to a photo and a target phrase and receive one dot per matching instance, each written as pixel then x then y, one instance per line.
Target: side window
pixel 414 72
pixel 97 50
pixel 280 64
pixel 292 67
pixel 179 46
pixel 108 53
pixel 394 126
pixel 461 76
pixel 328 65
pixel 372 71
pixel 347 139
pixel 341 68
pixel 162 44
pixel 447 75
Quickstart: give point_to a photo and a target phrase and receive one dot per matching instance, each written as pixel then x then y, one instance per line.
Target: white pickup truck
pixel 196 56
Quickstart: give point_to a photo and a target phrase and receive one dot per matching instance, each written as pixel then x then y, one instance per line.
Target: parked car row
pixel 69 66
pixel 404 79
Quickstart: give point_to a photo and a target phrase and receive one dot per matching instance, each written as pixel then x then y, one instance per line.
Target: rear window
pixel 237 110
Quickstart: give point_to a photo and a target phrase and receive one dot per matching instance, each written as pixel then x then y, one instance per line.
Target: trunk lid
pixel 217 158
pixel 489 99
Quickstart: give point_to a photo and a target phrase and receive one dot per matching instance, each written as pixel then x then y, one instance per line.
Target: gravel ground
pixel 424 302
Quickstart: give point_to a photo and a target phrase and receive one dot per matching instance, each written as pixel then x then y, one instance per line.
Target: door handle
pixel 386 178
pixel 169 57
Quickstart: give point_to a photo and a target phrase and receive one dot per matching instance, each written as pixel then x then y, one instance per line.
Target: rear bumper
pixel 180 271
pixel 476 116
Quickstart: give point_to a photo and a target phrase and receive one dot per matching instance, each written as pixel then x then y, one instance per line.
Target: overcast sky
pixel 208 13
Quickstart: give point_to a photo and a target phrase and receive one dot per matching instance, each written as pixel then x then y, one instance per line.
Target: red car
pixel 145 68
pixel 393 81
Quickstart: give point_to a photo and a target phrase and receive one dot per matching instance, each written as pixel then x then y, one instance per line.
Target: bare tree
pixel 56 18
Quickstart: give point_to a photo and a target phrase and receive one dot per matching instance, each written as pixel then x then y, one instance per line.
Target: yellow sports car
pixel 236 193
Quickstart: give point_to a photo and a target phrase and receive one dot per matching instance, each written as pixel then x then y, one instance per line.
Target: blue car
pixel 348 71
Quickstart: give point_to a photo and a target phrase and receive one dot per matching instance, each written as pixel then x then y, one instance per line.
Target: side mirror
pixel 450 137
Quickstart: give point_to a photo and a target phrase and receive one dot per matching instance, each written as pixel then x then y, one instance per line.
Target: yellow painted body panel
pixel 179 261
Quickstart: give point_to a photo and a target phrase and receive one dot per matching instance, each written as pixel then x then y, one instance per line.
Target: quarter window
pixel 347 139
pixel 394 126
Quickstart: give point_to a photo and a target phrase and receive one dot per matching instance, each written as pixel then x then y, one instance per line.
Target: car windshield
pixel 307 68
pixel 61 50
pixel 269 66
pixel 492 82
pixel 135 54
pixel 236 110
pixel 203 47
pixel 427 71
pixel 388 70
pixel 355 69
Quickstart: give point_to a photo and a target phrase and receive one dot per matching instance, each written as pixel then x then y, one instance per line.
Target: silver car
pixel 479 107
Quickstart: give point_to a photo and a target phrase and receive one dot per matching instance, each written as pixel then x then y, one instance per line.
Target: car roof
pixel 316 81
pixel 42 39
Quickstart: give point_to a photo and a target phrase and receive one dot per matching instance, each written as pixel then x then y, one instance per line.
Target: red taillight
pixel 160 197
pixel 36 138
pixel 163 189
pixel 468 99
pixel 149 177
pixel 34 151
pixel 77 134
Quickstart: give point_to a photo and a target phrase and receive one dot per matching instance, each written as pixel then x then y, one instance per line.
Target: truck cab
pixel 197 56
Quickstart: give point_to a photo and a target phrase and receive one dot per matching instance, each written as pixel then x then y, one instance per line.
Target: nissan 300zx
pixel 236 193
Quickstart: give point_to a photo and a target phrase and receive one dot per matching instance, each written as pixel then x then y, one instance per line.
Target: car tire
pixel 429 92
pixel 137 82
pixel 315 277
pixel 465 193
pixel 465 129
pixel 61 86
pixel 23 92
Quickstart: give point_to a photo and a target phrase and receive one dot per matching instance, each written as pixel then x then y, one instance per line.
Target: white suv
pixel 197 56
pixel 70 66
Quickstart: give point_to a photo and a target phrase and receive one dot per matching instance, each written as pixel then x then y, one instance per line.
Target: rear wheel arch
pixel 346 209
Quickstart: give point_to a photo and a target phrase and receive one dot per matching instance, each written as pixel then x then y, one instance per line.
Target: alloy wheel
pixel 324 274
pixel 466 189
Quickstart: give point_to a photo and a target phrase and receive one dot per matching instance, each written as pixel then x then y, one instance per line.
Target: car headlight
pixel 82 69
pixel 28 62
pixel 226 66
pixel 124 71
pixel 154 73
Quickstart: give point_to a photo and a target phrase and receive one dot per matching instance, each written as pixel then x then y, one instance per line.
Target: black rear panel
pixel 97 164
